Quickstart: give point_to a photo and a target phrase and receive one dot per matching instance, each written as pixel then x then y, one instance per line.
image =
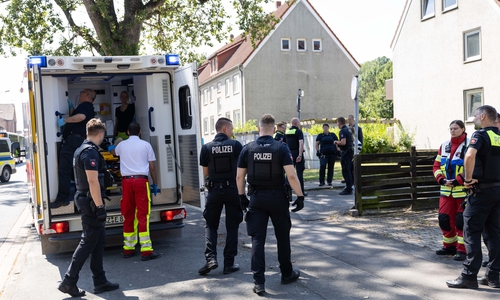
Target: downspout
pixel 242 92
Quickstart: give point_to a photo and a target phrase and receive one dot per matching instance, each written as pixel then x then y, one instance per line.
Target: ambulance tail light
pixel 58 227
pixel 173 59
pixel 38 60
pixel 175 214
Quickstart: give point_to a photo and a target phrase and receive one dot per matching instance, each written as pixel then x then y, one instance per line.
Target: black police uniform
pixel 328 151
pixel 279 136
pixel 346 156
pixel 73 136
pixel 483 209
pixel 264 160
pixel 93 240
pixel 293 136
pixel 221 157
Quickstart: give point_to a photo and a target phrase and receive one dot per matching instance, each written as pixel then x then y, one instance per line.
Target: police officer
pixel 90 170
pixel 219 160
pixel 482 172
pixel 295 141
pixel 279 135
pixel 326 150
pixel 346 155
pixel 266 161
pixel 73 136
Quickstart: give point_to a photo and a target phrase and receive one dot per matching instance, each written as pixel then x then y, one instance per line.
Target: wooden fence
pixel 403 179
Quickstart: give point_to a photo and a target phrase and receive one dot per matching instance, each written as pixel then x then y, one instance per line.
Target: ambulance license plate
pixel 114 220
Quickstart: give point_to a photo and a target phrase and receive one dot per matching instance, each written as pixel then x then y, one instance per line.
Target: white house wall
pixel 430 75
pixel 230 104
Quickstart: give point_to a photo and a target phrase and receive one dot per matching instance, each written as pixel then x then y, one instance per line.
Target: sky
pixel 365 27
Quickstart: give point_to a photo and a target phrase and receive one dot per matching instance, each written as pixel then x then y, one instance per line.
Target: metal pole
pixel 356 119
pixel 298 104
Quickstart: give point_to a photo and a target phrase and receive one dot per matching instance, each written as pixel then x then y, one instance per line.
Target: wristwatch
pixel 101 206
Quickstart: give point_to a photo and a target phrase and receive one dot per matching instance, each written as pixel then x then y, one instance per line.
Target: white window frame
pixel 205 125
pixel 467 105
pixel 219 106
pixel 227 87
pixel 305 45
pixel 219 87
pixel 236 84
pixel 228 115
pixel 212 124
pixel 237 121
pixel 422 9
pixel 448 8
pixel 211 92
pixel 320 45
pixel 205 97
pixel 289 44
pixel 476 57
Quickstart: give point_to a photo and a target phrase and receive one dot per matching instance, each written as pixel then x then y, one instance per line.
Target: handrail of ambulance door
pixel 150 110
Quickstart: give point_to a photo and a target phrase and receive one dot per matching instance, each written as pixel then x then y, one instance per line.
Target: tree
pixel 124 27
pixel 373 75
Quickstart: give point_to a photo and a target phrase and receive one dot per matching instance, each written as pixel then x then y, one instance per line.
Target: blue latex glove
pixel 154 189
pixel 70 104
pixel 61 122
pixel 111 148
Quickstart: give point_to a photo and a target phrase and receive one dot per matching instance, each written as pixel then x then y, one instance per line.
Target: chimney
pixel 231 36
pixel 278 4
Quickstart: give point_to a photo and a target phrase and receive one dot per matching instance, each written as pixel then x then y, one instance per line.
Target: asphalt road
pixel 13 199
pixel 336 263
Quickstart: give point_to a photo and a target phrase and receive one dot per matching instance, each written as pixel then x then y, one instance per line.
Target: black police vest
pixel 291 139
pixel 348 140
pixel 81 181
pixel 486 168
pixel 264 166
pixel 327 144
pixel 222 163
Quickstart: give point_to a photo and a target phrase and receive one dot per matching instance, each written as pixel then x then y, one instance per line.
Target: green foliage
pixel 249 126
pixel 380 138
pixel 318 128
pixel 127 28
pixel 372 76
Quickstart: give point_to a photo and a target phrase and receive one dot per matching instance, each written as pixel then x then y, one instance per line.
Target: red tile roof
pixel 497 2
pixel 243 49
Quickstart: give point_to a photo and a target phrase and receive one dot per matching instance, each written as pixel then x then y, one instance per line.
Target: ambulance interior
pixel 155 108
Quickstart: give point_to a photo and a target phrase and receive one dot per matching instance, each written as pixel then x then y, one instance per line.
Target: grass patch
pixel 313 174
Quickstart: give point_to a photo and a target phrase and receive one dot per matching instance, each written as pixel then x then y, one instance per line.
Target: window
pixel 427 9
pixel 449 4
pixel 212 124
pixel 285 44
pixel 205 97
pixel 219 87
pixel 219 106
pixel 213 65
pixel 186 118
pixel 472 45
pixel 236 84
pixel 211 94
pixel 237 117
pixel 228 82
pixel 4 146
pixel 301 45
pixel 473 99
pixel 205 125
pixel 228 115
pixel 317 45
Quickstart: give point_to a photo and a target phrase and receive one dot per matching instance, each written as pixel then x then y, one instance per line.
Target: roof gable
pixel 244 50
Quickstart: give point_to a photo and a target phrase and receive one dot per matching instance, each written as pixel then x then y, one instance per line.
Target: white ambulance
pixel 166 102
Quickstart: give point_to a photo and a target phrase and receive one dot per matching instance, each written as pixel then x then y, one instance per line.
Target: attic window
pixel 317 45
pixel 427 9
pixel 301 45
pixel 213 65
pixel 285 44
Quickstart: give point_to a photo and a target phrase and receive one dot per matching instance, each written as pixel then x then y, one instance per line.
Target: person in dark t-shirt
pixel 124 115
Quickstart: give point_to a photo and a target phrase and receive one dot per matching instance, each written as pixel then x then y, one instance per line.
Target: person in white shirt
pixel 136 163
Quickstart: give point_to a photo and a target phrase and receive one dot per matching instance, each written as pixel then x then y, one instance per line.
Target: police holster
pixel 251 190
pixel 288 191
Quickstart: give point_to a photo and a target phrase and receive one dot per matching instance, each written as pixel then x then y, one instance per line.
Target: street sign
pixel 354 87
